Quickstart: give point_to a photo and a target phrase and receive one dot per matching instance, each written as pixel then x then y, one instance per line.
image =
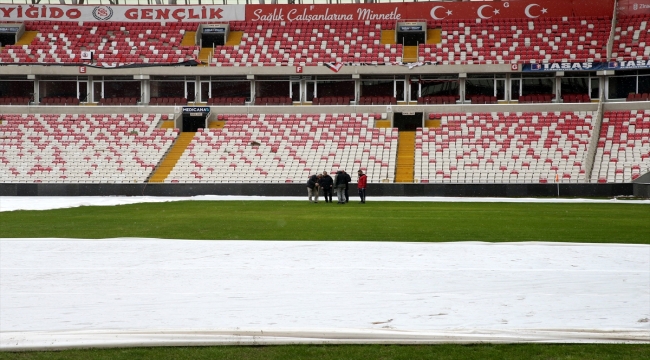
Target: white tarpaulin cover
pixel 60 293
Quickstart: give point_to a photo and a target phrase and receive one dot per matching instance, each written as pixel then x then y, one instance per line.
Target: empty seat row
pixel 273 100
pixel 14 100
pixel 440 99
pixel 167 101
pixel 60 100
pixel 576 98
pixel 483 99
pixel 536 98
pixel 118 101
pixel 377 100
pixel 227 101
pixel 638 97
pixel 332 100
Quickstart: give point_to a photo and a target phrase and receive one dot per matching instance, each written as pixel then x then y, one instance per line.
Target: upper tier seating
pixel 81 148
pixel 307 43
pixel 523 40
pixel 318 42
pixel 288 148
pixel 632 38
pixel 623 152
pixel 530 147
pixel 112 43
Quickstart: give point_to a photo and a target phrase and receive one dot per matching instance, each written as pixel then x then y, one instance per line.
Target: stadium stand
pixel 623 152
pixel 522 40
pixel 504 147
pixel 500 114
pixel 287 148
pixel 632 38
pixel 308 43
pixel 71 148
pixel 111 42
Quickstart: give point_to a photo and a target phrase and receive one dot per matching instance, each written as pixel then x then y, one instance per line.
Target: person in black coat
pixel 327 184
pixel 342 180
pixel 348 179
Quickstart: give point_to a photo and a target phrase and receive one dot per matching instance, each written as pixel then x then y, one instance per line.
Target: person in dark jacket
pixel 312 188
pixel 361 186
pixel 342 180
pixel 327 184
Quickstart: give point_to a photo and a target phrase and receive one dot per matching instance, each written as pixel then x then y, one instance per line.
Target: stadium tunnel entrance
pixel 411 33
pixel 195 118
pixel 407 121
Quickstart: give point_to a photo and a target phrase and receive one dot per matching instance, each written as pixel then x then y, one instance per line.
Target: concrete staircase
pixel 189 39
pixel 170 160
pixel 217 124
pixel 387 37
pixel 434 36
pixel 234 38
pixel 27 38
pixel 409 54
pixel 205 54
pixel 405 157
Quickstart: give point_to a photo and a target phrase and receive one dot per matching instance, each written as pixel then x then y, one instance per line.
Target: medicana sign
pixel 122 13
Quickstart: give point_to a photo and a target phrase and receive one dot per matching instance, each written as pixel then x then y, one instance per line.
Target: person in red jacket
pixel 361 186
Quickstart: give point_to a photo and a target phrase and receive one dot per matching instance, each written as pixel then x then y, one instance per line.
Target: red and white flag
pixel 336 67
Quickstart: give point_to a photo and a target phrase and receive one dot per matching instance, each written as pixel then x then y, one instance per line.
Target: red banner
pixel 532 9
pixel 633 7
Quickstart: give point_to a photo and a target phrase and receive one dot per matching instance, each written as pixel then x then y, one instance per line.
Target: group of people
pixel 338 184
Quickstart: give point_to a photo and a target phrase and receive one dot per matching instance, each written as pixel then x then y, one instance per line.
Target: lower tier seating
pixel 533 147
pixel 40 148
pixel 287 149
pixel 623 152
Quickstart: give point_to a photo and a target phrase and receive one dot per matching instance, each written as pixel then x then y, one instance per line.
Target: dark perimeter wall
pixel 374 190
